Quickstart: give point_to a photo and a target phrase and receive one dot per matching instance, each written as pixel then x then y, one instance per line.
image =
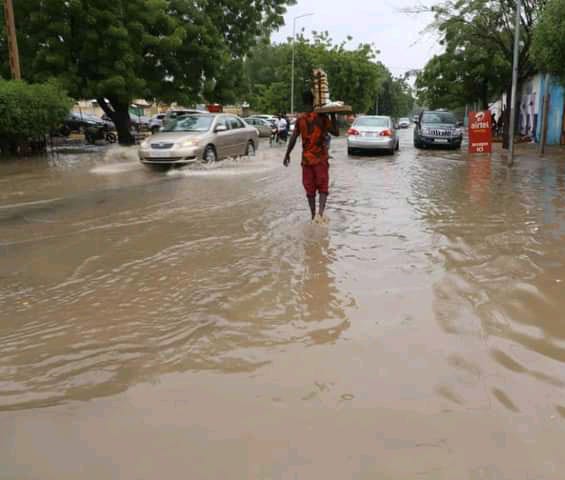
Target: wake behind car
pixel 199 137
pixel 372 133
pixel 438 129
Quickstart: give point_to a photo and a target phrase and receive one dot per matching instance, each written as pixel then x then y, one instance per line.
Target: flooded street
pixel 193 324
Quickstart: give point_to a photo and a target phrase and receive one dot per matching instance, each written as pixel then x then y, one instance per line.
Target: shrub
pixel 28 112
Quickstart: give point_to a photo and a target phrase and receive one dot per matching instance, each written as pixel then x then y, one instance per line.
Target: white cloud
pixel 398 35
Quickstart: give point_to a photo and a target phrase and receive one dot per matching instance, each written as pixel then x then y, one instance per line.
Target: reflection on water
pixel 500 242
pixel 435 295
pixel 109 286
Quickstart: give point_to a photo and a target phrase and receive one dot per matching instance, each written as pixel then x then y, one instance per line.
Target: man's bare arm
pixel 291 145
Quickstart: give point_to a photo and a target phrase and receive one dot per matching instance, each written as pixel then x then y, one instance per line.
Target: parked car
pixel 404 123
pixel 156 122
pixel 79 122
pixel 139 122
pixel 372 133
pixel 199 137
pixel 263 126
pixel 270 118
pixel 438 128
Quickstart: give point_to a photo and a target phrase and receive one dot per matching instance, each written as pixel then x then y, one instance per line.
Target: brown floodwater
pixel 193 324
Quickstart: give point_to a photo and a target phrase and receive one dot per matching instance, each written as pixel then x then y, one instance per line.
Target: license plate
pixel 159 154
pixel 370 134
pixel 441 140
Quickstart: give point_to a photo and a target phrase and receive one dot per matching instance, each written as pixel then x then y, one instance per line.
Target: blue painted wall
pixel 555 117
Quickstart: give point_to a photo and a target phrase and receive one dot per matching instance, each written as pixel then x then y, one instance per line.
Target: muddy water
pixel 192 324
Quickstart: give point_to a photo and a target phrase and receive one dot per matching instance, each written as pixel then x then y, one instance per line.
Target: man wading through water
pixel 314 129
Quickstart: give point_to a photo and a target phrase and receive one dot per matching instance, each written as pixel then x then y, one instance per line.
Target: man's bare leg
pixel 312 205
pixel 323 201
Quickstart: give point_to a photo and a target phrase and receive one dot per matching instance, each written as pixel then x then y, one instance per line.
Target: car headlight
pixel 145 144
pixel 458 132
pixel 425 131
pixel 188 143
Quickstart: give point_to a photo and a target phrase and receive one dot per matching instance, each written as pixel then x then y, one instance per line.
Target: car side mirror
pixel 221 128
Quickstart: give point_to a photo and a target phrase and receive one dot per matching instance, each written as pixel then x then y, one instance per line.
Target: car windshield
pixel 404 120
pixel 371 122
pixel 438 117
pixel 190 124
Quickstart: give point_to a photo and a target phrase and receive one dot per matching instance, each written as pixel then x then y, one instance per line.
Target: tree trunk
pixel 484 95
pixel 119 114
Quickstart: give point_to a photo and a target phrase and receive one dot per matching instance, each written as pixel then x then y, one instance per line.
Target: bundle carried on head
pixel 321 92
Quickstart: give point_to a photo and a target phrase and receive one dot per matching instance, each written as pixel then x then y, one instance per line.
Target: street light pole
pixel 12 40
pixel 293 56
pixel 515 78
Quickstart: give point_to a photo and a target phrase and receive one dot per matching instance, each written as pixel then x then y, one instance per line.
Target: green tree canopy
pixel 548 47
pixel 477 62
pixel 118 50
pixel 355 75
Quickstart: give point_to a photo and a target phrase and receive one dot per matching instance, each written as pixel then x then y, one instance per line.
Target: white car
pixel 404 123
pixel 372 133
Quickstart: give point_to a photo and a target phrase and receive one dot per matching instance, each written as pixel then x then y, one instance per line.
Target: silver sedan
pixel 372 133
pixel 264 127
pixel 202 138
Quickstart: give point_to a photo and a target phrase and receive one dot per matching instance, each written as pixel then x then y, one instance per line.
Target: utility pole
pixel 12 40
pixel 515 79
pixel 293 56
pixel 545 114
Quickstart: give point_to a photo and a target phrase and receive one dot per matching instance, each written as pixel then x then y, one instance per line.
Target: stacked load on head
pixel 321 92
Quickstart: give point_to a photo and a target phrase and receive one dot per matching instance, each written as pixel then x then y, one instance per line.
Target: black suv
pixel 438 128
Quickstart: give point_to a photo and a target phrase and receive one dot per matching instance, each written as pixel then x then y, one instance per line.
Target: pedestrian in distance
pixel 313 128
pixel 494 124
pixel 283 129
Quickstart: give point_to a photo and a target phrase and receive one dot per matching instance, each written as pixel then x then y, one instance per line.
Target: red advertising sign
pixel 480 132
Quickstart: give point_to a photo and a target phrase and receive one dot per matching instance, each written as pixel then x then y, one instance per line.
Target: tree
pixel 548 46
pixel 355 75
pixel 478 38
pixel 119 50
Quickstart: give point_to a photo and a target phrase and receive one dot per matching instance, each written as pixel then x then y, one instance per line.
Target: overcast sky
pixel 396 34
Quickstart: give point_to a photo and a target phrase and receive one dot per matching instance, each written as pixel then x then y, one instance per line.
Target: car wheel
pixel 250 152
pixel 210 156
pixel 350 151
pixel 417 144
pixel 111 138
pixel 398 146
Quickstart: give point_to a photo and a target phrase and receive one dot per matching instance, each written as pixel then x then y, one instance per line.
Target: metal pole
pixel 545 114
pixel 12 40
pixel 515 78
pixel 293 57
pixel 292 68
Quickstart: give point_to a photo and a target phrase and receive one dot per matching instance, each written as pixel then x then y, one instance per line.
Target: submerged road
pixel 193 324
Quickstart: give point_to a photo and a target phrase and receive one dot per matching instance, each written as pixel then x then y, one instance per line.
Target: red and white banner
pixel 480 132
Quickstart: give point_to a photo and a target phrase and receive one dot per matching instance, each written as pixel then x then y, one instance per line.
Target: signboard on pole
pixel 480 132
